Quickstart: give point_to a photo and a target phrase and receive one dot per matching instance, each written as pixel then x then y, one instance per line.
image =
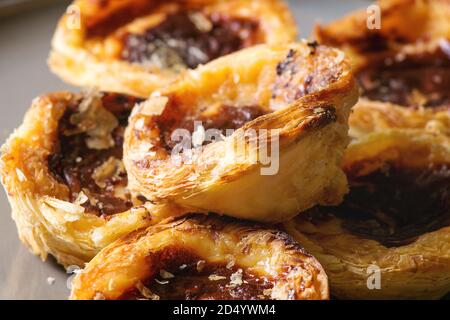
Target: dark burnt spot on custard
pixel 394 206
pixel 74 163
pixel 178 274
pixel 283 66
pixel 419 80
pixel 188 39
pixel 313 46
pixel 295 81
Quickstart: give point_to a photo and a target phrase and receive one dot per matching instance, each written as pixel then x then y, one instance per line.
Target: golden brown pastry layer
pixel 66 183
pixel 292 99
pixel 403 67
pixel 395 220
pixel 136 47
pixel 203 257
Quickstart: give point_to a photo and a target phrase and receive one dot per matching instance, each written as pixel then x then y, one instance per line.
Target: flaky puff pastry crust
pixel 87 45
pixel 369 116
pixel 48 221
pixel 416 269
pixel 162 251
pixel 304 92
pixel 411 30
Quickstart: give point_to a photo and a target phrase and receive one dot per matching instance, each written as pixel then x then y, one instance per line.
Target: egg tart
pixel 258 134
pixel 137 46
pixel 202 257
pixel 389 238
pixel 63 173
pixel 403 67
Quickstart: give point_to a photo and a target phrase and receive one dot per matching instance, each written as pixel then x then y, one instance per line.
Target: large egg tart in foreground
pixel 136 46
pixel 390 238
pixel 403 67
pixel 203 257
pixel 265 130
pixel 63 173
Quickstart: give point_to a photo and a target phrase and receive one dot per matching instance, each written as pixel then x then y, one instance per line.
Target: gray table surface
pixel 24 45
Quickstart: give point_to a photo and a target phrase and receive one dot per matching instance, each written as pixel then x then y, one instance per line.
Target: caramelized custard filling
pixel 199 280
pixel 394 206
pixel 187 39
pixel 421 80
pixel 222 119
pixel 91 169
